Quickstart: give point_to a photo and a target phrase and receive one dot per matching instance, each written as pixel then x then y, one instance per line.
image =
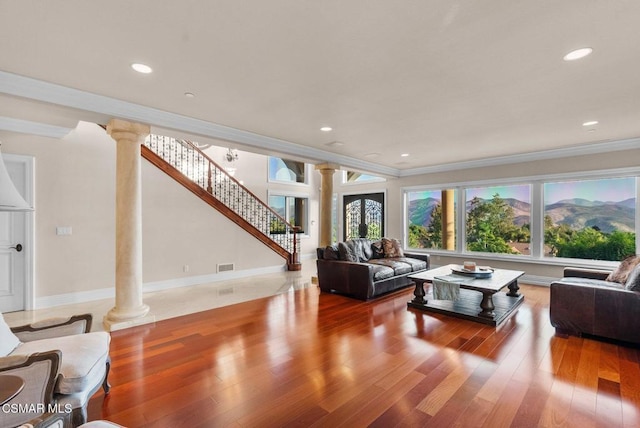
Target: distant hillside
pixel 606 216
pixel 420 210
pixel 577 213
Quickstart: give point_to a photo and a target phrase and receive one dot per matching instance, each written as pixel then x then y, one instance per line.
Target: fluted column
pixel 326 201
pixel 129 309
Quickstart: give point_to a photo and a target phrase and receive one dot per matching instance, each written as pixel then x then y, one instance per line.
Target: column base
pixel 118 320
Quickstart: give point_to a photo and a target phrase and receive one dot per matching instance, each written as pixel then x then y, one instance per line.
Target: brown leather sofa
pixel 372 275
pixel 585 302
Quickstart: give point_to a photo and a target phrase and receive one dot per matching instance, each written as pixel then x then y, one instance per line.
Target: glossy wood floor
pixel 315 360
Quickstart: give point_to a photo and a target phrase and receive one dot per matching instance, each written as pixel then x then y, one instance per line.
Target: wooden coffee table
pixel 479 299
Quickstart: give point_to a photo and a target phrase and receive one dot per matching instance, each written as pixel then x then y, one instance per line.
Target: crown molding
pixel 602 147
pixel 39 90
pixel 34 89
pixel 33 128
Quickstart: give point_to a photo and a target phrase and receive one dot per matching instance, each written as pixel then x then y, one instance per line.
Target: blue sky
pixel 606 190
pixel 612 189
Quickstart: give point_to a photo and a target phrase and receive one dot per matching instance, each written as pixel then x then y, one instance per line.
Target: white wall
pixel 75 186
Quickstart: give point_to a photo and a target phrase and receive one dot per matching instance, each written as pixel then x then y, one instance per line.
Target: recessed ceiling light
pixel 577 54
pixel 141 68
pixel 590 123
pixel 404 155
pixel 189 94
pixel 326 129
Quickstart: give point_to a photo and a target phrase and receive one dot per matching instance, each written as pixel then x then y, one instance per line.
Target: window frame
pixel 277 193
pixel 374 179
pixel 537 216
pixel 307 172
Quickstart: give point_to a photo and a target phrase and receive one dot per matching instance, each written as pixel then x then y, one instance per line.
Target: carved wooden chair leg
pixel 105 384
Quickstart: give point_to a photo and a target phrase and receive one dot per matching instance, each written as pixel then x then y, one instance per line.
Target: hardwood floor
pixel 316 360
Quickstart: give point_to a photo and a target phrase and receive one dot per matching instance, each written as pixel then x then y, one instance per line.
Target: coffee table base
pixel 468 306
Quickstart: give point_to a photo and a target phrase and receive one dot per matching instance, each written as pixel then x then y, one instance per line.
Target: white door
pixel 15 251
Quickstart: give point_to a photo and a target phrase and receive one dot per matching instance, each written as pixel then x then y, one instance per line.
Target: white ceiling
pixel 445 81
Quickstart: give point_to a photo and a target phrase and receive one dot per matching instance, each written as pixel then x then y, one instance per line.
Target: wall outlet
pixel 63 230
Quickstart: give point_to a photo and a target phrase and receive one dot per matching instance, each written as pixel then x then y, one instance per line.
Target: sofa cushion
pixel 633 280
pixel 84 358
pixel 624 270
pixel 8 340
pixel 399 268
pixel 361 248
pixel 331 253
pixel 416 264
pixel 392 248
pixel 346 252
pixel 381 272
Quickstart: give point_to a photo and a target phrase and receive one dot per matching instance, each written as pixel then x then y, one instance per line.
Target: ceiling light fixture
pixel 404 155
pixel 326 129
pixel 189 95
pixel 141 68
pixel 590 123
pixel 577 54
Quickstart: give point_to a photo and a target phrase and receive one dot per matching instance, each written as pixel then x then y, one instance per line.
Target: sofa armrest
pixel 577 272
pixel 54 327
pixel 351 278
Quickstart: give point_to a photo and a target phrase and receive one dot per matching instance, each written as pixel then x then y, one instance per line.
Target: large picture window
pixel 590 219
pixel 499 219
pixel 582 217
pixel 429 225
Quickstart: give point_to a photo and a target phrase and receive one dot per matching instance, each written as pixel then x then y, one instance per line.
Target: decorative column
pixel 326 201
pixel 129 309
pixel 448 220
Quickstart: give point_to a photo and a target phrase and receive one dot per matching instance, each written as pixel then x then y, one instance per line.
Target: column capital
pixel 327 167
pixel 120 129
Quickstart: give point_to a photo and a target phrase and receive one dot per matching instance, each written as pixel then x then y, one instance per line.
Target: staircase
pixel 192 168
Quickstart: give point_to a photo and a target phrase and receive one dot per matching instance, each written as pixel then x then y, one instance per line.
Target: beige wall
pixel 610 160
pixel 75 186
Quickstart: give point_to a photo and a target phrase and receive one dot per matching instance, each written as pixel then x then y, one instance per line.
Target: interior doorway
pixel 16 241
pixel 363 216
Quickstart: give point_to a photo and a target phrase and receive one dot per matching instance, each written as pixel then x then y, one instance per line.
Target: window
pixel 589 216
pixel 286 170
pixel 351 177
pixel 425 219
pixel 499 219
pixel 590 219
pixel 291 208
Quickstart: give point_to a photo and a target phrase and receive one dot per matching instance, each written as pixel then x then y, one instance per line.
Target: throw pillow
pixel 633 281
pixel 8 340
pixel 392 247
pixel 331 253
pixel 346 252
pixel 622 272
pixel 378 251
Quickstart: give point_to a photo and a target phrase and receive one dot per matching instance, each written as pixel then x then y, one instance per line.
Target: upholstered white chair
pixel 61 363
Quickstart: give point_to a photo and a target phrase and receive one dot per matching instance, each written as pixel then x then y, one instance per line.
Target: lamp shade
pixel 10 198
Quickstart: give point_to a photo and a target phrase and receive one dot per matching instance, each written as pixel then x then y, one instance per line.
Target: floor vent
pixel 226 267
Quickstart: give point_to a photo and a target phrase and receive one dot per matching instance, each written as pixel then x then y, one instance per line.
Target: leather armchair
pixel 584 302
pixel 80 368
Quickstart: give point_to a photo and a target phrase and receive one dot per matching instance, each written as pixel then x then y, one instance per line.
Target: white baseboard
pixel 109 293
